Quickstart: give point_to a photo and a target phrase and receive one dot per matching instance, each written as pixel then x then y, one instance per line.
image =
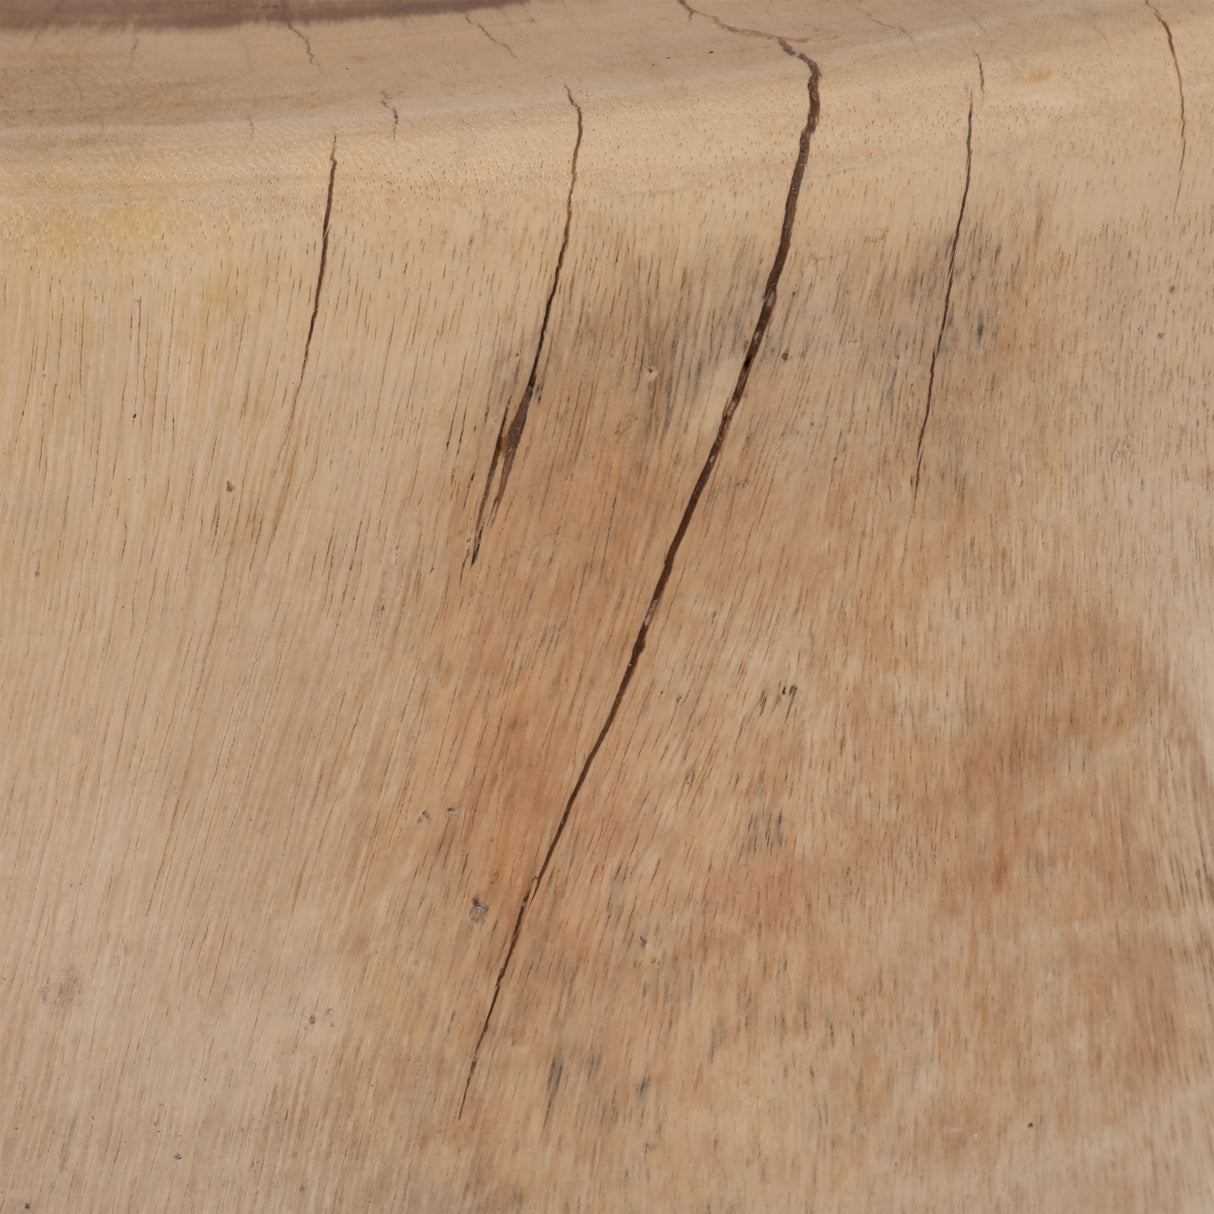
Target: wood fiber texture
pixel 607 606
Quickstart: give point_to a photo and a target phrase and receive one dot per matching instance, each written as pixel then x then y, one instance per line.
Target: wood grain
pixel 607 606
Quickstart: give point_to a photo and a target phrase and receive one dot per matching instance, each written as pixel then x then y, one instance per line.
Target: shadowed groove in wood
pixel 948 295
pixel 511 432
pixel 205 14
pixel 755 344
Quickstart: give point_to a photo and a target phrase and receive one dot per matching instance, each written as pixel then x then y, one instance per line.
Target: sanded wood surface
pixel 607 606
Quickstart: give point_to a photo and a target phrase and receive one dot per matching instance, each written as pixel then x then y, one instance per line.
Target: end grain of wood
pixel 803 800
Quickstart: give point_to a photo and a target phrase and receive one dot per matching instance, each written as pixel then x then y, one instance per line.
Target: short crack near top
pixel 496 41
pixel 300 35
pixel 511 432
pixel 897 29
pixel 948 294
pixel 638 645
pixel 1167 29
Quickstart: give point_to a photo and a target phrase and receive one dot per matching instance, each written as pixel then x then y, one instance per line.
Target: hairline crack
pixel 638 645
pixel 948 296
pixel 1167 29
pixel 496 41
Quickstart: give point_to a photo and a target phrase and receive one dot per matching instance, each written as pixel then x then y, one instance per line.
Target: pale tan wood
pixel 887 884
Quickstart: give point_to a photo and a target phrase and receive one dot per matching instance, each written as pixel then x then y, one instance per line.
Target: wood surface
pixel 607 606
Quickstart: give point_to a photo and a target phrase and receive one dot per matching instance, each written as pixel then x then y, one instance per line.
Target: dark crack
pixel 391 110
pixel 981 75
pixel 496 41
pixel 320 272
pixel 286 18
pixel 948 295
pixel 638 646
pixel 511 432
pixel 1167 29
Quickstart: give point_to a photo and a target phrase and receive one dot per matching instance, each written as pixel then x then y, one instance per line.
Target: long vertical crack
pixel 511 432
pixel 1167 29
pixel 320 272
pixel 672 551
pixel 948 295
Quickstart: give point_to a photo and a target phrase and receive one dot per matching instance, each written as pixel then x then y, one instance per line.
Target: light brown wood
pixel 802 801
